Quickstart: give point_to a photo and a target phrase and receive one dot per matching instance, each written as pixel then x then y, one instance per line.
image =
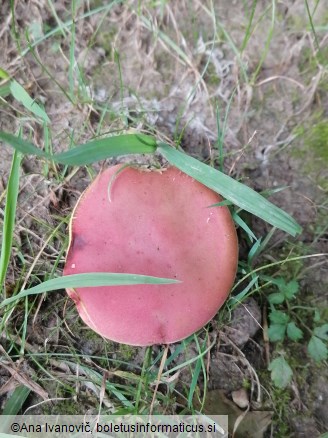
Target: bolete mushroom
pixel 158 224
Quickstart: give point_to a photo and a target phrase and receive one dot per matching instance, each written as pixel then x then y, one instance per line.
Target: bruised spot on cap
pixel 77 243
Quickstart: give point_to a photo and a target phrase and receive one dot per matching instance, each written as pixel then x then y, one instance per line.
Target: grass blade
pixel 66 25
pixel 97 150
pixel 19 93
pixel 239 221
pixel 88 280
pixel 166 39
pixel 72 62
pixel 241 195
pixel 267 43
pixel 4 74
pixel 9 216
pixel 199 366
pixel 90 152
pixel 15 402
pixel 248 31
pixel 312 25
pixel 222 131
pixel 21 145
pixel 237 299
pixel 5 90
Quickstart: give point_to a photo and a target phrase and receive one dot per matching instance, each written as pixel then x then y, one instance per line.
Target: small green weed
pixel 285 320
pixel 281 398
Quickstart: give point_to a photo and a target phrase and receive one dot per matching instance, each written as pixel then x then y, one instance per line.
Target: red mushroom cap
pixel 154 224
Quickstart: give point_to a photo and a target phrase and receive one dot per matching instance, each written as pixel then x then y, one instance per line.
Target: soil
pixel 156 84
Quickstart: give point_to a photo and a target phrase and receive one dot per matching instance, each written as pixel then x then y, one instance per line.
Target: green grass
pixel 9 217
pixel 91 152
pixel 239 194
pixel 60 362
pixel 87 280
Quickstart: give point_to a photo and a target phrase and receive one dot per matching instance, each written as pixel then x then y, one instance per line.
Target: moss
pixel 309 66
pixel 317 140
pixel 92 339
pixel 211 77
pixel 312 151
pixel 311 155
pixel 126 352
pixel 105 39
pixel 247 384
pixel 298 21
pixel 63 407
pixel 292 269
pixel 280 400
pixel 312 136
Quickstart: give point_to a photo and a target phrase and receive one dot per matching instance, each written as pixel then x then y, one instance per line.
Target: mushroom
pixel 158 224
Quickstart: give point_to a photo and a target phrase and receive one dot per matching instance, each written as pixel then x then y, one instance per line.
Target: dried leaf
pixel 253 424
pixel 25 380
